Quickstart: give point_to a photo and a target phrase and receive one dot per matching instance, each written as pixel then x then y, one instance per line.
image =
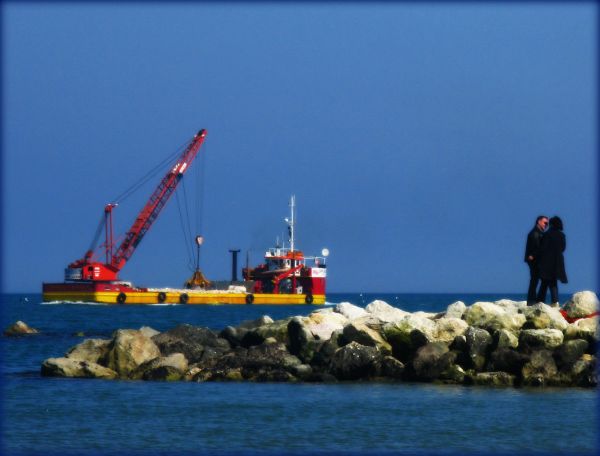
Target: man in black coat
pixel 551 261
pixel 532 251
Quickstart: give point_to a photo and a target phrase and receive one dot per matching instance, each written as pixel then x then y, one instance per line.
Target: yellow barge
pixel 141 296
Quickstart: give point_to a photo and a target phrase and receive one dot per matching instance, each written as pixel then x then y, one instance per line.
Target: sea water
pixel 73 416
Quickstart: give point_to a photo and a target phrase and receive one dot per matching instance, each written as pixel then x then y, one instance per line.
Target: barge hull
pixel 179 297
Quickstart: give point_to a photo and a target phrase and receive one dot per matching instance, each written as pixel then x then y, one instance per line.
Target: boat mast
pixel 292 221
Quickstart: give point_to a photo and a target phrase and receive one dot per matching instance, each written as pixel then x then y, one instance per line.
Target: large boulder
pixel 542 316
pixel 506 339
pixel 392 368
pixel 269 362
pixel 194 342
pixel 265 362
pixel 540 370
pixel 302 343
pixel 479 344
pixel 235 335
pixel 67 367
pixel 355 361
pixel 321 325
pixel 569 352
pixel 129 349
pixel 350 311
pixel 456 310
pixel 277 329
pixel 489 316
pixel 19 328
pixel 91 350
pixel 511 306
pixel 398 333
pixel 541 338
pixel 385 312
pixel 507 360
pixel 585 328
pixel 581 304
pixel 584 371
pixel 324 353
pixel 431 360
pixel 169 368
pixel 447 328
pixel 364 335
pixel 454 374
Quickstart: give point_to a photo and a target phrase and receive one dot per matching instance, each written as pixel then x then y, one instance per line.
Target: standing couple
pixel 544 255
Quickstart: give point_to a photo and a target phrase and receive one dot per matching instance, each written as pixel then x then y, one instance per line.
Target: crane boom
pixel 155 204
pixel 87 269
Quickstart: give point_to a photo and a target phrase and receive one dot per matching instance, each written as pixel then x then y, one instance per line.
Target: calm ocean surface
pixel 75 416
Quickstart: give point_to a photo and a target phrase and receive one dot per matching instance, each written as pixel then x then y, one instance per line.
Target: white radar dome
pixel 325 252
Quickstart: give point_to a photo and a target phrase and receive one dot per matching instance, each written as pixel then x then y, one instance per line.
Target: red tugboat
pixel 288 271
pixel 91 280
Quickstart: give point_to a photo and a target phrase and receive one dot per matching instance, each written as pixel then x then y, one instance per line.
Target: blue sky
pixel 420 140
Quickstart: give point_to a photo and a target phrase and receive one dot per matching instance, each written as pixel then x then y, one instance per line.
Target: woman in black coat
pixel 551 261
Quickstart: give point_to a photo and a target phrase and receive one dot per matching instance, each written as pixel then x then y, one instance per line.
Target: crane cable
pixel 97 234
pixel 184 215
pixel 149 175
pixel 186 241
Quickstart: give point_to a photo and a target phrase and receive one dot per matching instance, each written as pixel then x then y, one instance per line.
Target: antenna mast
pixel 292 222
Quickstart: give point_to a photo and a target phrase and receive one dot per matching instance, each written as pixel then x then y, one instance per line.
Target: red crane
pixel 86 268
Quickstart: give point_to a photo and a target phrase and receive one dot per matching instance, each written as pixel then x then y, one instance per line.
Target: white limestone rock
pixel 164 366
pixel 541 316
pixel 400 330
pixel 128 350
pixel 492 317
pixel 511 306
pixel 91 350
pixel 350 311
pixel 446 329
pixel 507 339
pixel 385 312
pixel 322 325
pixel 456 310
pixel 581 304
pixel 67 367
pixel 364 335
pixel 546 338
pixel 585 328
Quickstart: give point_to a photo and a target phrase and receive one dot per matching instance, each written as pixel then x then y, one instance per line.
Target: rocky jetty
pixel 502 343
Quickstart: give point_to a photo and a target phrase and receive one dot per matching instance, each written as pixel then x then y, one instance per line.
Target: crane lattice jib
pixel 157 201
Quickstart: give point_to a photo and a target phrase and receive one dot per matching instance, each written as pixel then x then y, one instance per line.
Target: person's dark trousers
pixel 534 278
pixel 553 285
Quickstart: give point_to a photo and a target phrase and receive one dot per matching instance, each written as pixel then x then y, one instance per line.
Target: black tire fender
pixel 162 297
pixel 249 298
pixel 121 298
pixel 309 299
pixel 184 298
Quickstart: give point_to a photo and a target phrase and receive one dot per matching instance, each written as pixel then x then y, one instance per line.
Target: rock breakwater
pixel 502 343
